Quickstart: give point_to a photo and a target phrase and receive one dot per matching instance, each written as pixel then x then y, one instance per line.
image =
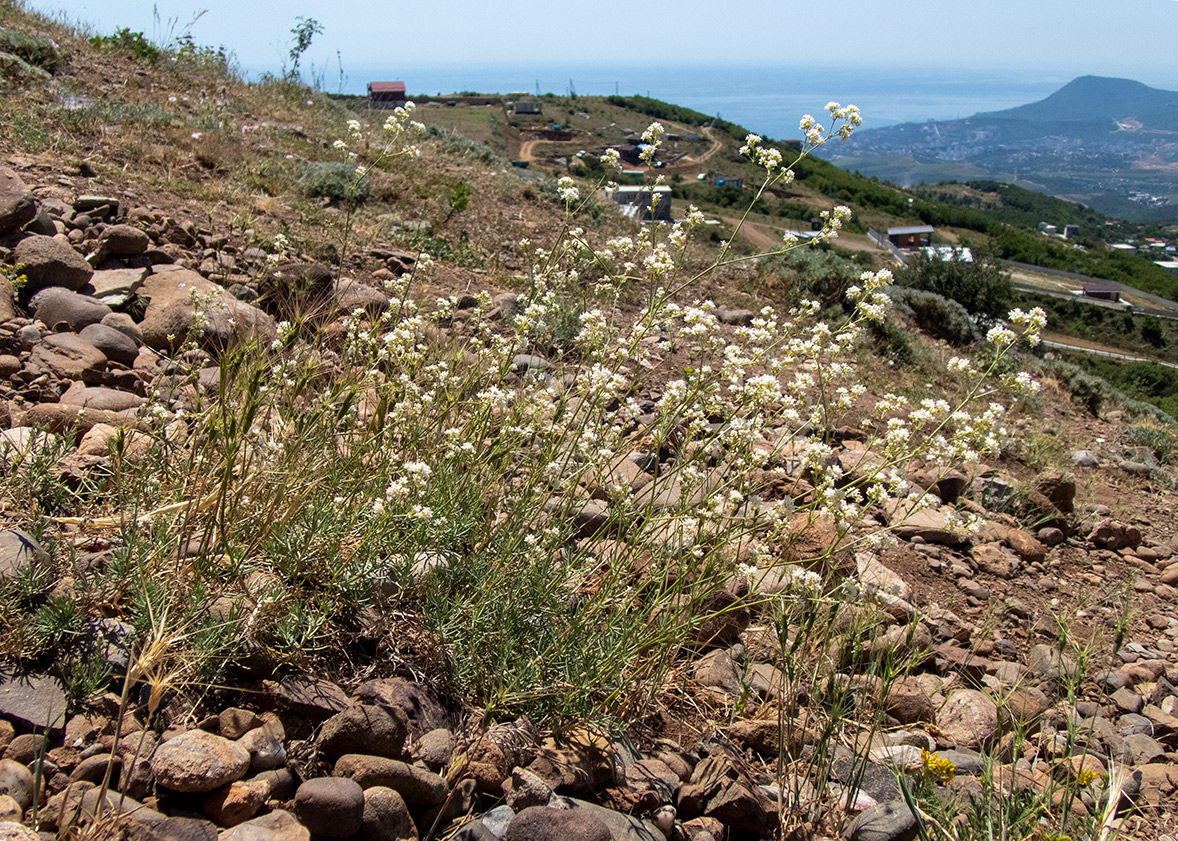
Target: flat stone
pixel 60 420
pixel 278 825
pixel 31 700
pixel 99 397
pixel 114 287
pixel 67 357
pixel 930 524
pixel 317 699
pixel 418 787
pixel 19 554
pixel 888 821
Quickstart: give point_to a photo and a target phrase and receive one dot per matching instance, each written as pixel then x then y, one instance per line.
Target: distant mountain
pixel 1098 99
pixel 1109 143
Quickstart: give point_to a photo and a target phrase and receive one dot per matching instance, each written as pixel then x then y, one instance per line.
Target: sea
pixel 769 99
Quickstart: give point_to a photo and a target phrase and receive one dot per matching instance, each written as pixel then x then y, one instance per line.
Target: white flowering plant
pixel 332 464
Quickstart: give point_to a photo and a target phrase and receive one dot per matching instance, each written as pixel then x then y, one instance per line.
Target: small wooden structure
pixel 911 236
pixel 386 94
pixel 1102 292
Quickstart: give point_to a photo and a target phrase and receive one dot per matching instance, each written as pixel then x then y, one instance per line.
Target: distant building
pixel 529 106
pixel 911 236
pixel 1049 230
pixel 629 153
pixel 386 94
pixel 1169 265
pixel 1102 292
pixel 692 136
pixel 730 181
pixel 1070 231
pixel 643 203
pixel 1124 247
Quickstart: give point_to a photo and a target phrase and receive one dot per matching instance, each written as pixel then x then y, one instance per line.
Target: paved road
pixel 1109 353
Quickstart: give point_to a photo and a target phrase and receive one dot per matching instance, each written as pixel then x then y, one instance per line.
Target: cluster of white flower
pixel 612 159
pixel 652 138
pixel 566 188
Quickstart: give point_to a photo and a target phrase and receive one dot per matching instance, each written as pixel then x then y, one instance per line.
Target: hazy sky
pixel 1131 38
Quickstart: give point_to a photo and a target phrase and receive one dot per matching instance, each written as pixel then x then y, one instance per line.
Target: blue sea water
pixel 766 99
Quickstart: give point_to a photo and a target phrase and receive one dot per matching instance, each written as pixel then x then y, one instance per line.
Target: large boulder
pixel 184 304
pixel 48 261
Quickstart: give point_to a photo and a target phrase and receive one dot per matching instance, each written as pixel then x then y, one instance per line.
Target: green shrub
pixel 935 314
pixel 982 287
pixel 130 43
pixel 336 181
pixel 39 52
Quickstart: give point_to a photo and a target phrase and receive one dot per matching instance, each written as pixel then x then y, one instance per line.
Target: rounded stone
pixel 114 343
pixel 197 761
pixel 17 782
pixel 10 831
pixel 541 823
pixel 364 728
pixel 47 261
pixel 330 806
pixel 386 817
pixel 60 306
pixel 969 719
pixel 124 241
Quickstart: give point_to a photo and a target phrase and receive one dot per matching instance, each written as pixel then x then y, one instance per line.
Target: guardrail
pixel 882 241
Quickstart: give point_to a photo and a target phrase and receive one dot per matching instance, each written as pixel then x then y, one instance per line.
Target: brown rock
pixel 62 420
pixel 367 728
pixel 67 357
pixel 316 699
pixel 332 807
pixel 969 719
pixel 123 241
pixel 17 203
pixel 236 802
pixel 47 261
pixel 418 787
pixel 908 703
pixel 540 823
pixel 276 826
pixel 423 709
pixel 386 817
pixel 57 306
pixel 196 761
pixel 98 397
pixel 767 736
